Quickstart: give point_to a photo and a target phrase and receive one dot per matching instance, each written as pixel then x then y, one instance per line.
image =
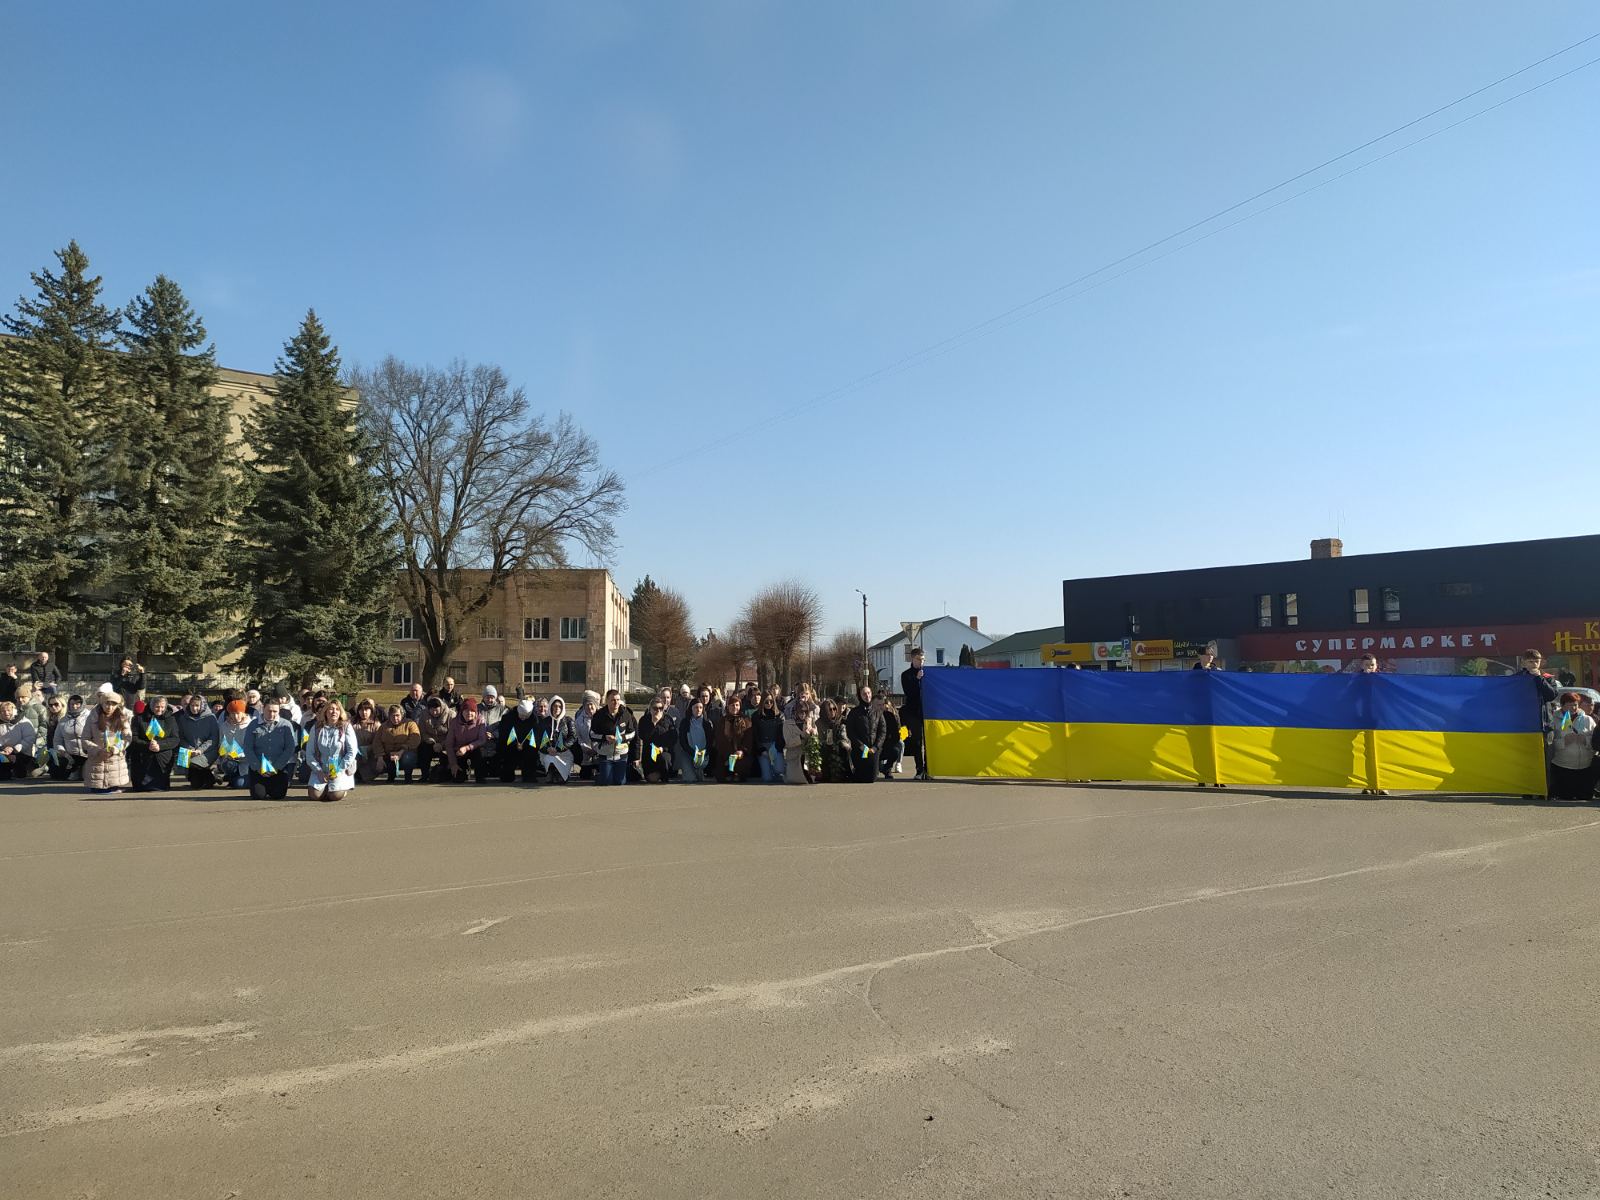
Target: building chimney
pixel 973 621
pixel 1327 548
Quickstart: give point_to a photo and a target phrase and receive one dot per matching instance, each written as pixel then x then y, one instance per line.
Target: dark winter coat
pixel 603 725
pixel 865 727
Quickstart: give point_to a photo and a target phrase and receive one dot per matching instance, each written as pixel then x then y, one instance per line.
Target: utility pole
pixel 866 656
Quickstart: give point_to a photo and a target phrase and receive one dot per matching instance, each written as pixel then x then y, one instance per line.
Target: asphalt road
pixel 905 990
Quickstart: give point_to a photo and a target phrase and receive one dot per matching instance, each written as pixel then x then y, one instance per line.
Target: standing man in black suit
pixel 911 711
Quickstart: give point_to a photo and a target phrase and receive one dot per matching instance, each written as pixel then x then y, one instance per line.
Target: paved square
pixel 900 990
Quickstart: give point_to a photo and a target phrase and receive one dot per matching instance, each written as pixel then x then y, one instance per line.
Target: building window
pixel 1391 606
pixel 1291 608
pixel 535 672
pixel 536 629
pixel 402 672
pixel 1360 606
pixel 574 629
pixel 494 673
pixel 938 656
pixel 456 670
pixel 404 630
pixel 574 671
pixel 1264 611
pixel 373 675
pixel 490 629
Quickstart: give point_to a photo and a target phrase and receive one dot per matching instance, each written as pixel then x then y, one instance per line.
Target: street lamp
pixel 866 657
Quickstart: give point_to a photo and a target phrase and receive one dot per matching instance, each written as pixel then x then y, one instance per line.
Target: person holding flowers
pixel 105 738
pixel 331 754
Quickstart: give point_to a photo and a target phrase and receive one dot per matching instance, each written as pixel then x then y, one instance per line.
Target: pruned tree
pixel 725 655
pixel 781 618
pixel 58 394
pixel 838 665
pixel 659 620
pixel 320 553
pixel 482 488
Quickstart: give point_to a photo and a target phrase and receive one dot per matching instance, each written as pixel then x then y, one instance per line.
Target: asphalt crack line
pixel 150 1101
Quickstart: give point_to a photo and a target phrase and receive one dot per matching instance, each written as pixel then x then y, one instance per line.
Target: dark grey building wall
pixel 1504 583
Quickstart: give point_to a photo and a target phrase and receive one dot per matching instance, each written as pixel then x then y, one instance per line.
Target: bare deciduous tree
pixel 482 486
pixel 838 666
pixel 725 656
pixel 782 618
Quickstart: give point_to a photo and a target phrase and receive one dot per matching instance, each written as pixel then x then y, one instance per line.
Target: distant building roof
pixel 1028 639
pixel 901 636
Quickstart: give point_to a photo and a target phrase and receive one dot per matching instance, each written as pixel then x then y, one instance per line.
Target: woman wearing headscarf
pixel 557 759
pixel 105 736
pixel 154 747
pixel 735 747
pixel 697 743
pixel 233 741
pixel 199 734
pixel 583 747
pixel 331 754
pixel 518 748
pixel 463 743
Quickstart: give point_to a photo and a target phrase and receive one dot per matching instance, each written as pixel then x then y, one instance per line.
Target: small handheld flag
pixel 511 738
pixel 699 758
pixel 266 767
pixel 655 752
pixel 866 751
pixel 153 731
pixel 733 760
pixel 183 757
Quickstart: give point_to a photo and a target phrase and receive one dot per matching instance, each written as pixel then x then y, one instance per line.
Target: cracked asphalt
pixel 906 990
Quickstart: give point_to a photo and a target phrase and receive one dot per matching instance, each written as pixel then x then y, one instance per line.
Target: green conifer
pixel 57 397
pixel 322 552
pixel 174 485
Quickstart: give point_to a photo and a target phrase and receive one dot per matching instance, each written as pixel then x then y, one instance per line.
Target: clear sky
pixel 689 222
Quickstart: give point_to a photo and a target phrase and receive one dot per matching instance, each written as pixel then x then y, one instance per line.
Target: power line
pixel 1063 292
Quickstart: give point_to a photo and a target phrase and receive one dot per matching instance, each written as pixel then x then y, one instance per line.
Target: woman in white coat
pixel 331 753
pixel 555 756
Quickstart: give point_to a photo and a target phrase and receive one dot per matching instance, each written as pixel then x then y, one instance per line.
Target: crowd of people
pixel 122 740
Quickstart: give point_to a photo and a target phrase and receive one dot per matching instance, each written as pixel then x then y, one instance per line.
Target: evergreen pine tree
pixel 57 395
pixel 173 486
pixel 322 555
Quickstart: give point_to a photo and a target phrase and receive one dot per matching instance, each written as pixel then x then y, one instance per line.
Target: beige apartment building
pixel 555 631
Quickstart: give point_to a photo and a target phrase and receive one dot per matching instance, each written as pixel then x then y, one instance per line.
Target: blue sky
pixel 683 222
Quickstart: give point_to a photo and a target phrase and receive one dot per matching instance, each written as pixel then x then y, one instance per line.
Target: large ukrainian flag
pixel 1395 732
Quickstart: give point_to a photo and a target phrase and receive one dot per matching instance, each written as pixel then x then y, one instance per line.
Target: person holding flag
pixel 331 754
pixel 233 736
pixel 556 759
pixel 697 743
pixel 396 744
pixel 270 753
pixel 199 733
pixel 613 730
pixel 518 738
pixel 154 747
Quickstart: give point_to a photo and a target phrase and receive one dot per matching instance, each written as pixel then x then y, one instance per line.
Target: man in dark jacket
pixel 612 729
pixel 153 748
pixel 198 737
pixel 911 711
pixel 8 683
pixel 45 674
pixel 415 706
pixel 865 728
pixel 1533 664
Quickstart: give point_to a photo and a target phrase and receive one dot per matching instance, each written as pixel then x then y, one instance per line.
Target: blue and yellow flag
pixel 154 731
pixel 1390 732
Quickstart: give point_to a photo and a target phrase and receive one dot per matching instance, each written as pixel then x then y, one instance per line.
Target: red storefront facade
pixel 1571 646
